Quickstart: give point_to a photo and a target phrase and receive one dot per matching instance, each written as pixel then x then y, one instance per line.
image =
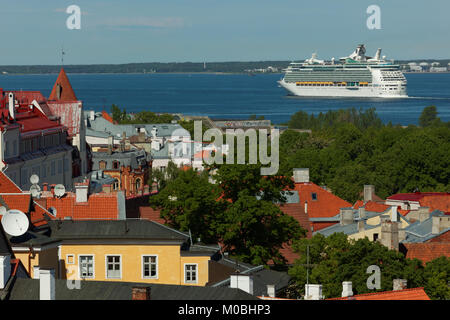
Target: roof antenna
pixel 62 56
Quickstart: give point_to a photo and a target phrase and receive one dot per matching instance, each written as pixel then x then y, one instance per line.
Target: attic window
pixel 314 196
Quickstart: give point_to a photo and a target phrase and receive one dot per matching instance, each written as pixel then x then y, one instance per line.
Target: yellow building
pixel 131 251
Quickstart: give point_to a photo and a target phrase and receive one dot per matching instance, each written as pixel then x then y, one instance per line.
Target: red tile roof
pixel 7 185
pixel 107 117
pixel 151 214
pixel 377 207
pixel 67 93
pixel 99 206
pixel 27 97
pixel 427 251
pixel 405 294
pixel 20 202
pixel 433 200
pixel 445 237
pixel 70 114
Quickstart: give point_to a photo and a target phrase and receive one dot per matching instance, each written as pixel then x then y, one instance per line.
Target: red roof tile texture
pixel 326 205
pixel 102 206
pixel 405 294
pixel 445 237
pixel 150 214
pixel 433 200
pixel 427 251
pixel 7 185
pixel 67 93
pixel 107 117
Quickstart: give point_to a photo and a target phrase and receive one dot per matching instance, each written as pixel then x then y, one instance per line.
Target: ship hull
pixel 361 92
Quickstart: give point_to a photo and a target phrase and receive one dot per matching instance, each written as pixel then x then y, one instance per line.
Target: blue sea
pixel 232 96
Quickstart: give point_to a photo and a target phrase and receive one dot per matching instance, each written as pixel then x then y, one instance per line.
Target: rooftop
pixel 405 294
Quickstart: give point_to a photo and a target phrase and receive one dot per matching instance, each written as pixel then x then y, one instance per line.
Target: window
pixel 115 164
pixel 138 184
pixel 70 259
pixel 149 266
pixel 314 196
pixel 53 168
pixel 113 267
pixel 86 266
pixel 44 171
pixel 60 166
pixel 116 184
pixel 66 165
pixel 190 273
pixel 375 237
pixel 102 164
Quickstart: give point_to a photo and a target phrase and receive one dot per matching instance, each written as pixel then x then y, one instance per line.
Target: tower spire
pixel 62 56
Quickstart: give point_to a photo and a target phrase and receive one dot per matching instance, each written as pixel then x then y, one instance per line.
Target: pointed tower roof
pixel 62 90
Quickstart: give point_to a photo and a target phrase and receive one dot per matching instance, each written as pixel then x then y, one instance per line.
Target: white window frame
pixel 196 272
pixel 67 258
pixel 106 265
pixel 142 266
pixel 93 266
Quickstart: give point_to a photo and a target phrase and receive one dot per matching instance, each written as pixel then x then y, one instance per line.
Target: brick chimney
pixel 45 186
pixel 347 289
pixel 82 191
pixel 301 175
pixel 346 216
pixel 389 234
pixel 313 292
pixel 46 284
pixel 242 281
pixel 140 293
pixel 400 284
pixel 369 191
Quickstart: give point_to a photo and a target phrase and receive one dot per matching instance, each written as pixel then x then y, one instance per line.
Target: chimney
pixel 45 186
pixel 369 191
pixel 389 235
pixel 362 213
pixel 140 293
pixel 423 213
pixel 110 144
pixel 347 289
pixel 81 192
pixel 36 272
pixel 5 269
pixel 440 223
pixel 346 216
pixel 394 214
pixel 11 102
pixel 271 290
pixel 399 284
pixel 242 281
pixel 107 188
pixel 361 225
pixel 46 284
pixel 313 292
pixel 92 115
pixel 301 175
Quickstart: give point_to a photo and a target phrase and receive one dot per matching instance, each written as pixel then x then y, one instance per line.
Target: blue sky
pixel 33 32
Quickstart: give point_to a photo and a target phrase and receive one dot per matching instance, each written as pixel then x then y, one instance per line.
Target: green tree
pixel 437 278
pixel 336 259
pixel 429 117
pixel 189 202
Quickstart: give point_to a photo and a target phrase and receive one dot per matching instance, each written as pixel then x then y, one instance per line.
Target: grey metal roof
pixel 421 231
pixel 102 125
pixel 114 229
pixel 132 158
pixel 28 289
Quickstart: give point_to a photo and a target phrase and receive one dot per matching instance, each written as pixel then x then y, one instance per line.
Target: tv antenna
pixel 15 223
pixel 60 190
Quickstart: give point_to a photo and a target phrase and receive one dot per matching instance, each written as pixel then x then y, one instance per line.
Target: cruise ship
pixel 354 76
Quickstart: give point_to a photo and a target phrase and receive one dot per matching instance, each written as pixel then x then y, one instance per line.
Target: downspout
pixel 29 259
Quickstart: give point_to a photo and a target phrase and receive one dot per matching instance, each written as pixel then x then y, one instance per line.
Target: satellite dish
pixel 15 223
pixel 35 191
pixel 52 211
pixel 34 179
pixel 2 211
pixel 60 190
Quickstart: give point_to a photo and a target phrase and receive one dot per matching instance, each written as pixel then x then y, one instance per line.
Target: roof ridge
pixel 378 293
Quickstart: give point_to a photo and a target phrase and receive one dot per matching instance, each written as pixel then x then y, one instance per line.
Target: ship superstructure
pixel 354 76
